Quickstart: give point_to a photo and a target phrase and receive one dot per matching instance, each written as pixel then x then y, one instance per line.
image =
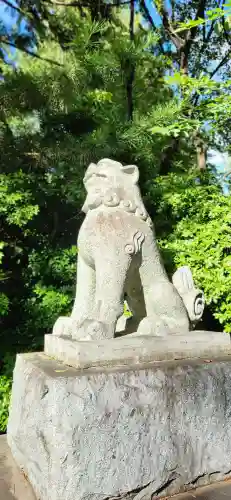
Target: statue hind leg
pixel 172 308
pixel 166 312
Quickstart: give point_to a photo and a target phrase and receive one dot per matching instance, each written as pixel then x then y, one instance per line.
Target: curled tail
pixel 192 297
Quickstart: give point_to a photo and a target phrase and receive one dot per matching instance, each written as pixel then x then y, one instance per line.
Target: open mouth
pixel 91 175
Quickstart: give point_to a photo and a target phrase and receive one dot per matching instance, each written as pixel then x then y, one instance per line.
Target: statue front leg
pixel 109 297
pixel 83 304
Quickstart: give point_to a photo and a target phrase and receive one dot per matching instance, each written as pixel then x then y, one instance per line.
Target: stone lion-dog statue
pixel 118 256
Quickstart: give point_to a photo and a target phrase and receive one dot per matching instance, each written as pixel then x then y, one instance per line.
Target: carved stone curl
pixel 135 247
pixel 118 256
pixel 193 298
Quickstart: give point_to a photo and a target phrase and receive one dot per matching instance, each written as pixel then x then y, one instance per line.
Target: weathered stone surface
pixel 13 484
pixel 117 255
pixel 136 349
pixel 98 434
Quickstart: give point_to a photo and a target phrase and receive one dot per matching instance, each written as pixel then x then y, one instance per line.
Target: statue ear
pixel 132 171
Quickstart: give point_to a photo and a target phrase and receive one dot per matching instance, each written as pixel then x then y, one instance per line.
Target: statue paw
pixel 152 325
pixel 63 327
pixel 85 330
pixel 93 330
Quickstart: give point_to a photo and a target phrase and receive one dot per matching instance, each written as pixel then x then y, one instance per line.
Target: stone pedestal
pixel 135 349
pixel 134 432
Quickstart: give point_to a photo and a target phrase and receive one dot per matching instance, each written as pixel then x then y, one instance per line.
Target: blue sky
pixel 153 11
pixel 9 16
pixel 3 14
pixel 6 15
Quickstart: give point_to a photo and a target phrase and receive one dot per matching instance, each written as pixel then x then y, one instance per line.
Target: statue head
pixel 109 182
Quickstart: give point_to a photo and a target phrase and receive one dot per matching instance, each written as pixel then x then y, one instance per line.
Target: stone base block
pixel 132 349
pixel 133 433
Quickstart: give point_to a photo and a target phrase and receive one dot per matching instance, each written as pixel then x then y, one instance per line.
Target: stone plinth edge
pixel 133 350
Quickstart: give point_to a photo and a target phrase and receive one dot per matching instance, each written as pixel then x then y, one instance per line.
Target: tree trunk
pixel 167 157
pixel 183 44
pixel 201 151
pixel 131 75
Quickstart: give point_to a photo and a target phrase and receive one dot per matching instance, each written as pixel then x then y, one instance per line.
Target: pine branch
pixel 83 4
pixel 221 63
pixel 148 16
pixel 29 52
pixel 147 13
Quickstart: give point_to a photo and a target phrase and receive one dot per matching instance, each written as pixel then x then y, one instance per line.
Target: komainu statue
pixel 118 256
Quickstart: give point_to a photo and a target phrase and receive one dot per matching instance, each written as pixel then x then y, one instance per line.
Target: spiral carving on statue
pixel 199 304
pixel 135 246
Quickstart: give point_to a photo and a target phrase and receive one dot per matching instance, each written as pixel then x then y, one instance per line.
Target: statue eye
pixel 101 175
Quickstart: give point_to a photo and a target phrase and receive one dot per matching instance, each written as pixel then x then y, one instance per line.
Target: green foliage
pixel 200 236
pixel 54 273
pixel 182 119
pixel 212 15
pixel 4 304
pixel 5 392
pixel 5 389
pixel 14 200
